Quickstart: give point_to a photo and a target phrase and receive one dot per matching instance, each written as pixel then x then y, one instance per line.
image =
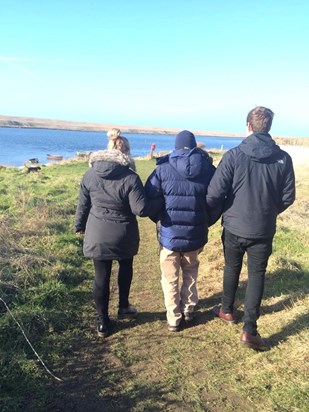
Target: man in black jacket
pixel 254 182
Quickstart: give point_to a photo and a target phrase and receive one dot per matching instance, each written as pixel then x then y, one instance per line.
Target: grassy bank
pixel 292 141
pixel 46 283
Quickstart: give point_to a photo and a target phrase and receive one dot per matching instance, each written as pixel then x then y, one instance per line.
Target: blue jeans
pixel 258 252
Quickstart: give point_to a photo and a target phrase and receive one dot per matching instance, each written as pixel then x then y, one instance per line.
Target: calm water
pixel 18 145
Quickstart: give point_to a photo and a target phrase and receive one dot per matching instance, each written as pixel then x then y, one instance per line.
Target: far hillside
pixel 36 123
pixel 30 122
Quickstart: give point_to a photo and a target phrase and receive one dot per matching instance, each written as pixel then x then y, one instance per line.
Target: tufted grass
pixel 47 283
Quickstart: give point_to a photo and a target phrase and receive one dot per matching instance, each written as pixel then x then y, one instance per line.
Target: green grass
pixel 47 284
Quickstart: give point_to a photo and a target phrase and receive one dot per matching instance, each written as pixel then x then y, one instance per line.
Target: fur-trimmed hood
pixel 109 156
pixel 109 163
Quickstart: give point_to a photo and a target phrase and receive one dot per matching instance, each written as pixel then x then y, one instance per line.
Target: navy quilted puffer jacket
pixel 182 178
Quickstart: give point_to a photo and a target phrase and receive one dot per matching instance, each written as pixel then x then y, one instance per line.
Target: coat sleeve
pixel 137 199
pixel 83 207
pixel 219 187
pixel 288 190
pixel 155 196
pixel 139 204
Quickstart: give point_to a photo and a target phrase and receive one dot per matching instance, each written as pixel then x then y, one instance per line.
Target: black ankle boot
pixel 103 328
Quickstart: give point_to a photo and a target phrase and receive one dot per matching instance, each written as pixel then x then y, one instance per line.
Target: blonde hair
pixel 115 142
pixel 112 134
pixel 120 143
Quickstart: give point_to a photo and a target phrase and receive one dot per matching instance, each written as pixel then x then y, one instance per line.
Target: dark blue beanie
pixel 185 140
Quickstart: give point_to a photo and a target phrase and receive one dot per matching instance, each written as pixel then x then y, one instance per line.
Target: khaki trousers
pixel 180 295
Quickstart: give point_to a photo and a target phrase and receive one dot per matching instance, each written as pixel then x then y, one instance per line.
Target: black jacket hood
pixel 260 147
pixel 109 164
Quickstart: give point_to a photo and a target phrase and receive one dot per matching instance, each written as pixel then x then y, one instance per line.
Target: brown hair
pixel 260 119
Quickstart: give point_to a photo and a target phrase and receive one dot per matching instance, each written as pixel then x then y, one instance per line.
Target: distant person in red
pixel 254 182
pixel 152 149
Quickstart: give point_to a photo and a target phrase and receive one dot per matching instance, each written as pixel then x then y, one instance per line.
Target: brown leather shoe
pixel 254 342
pixel 226 317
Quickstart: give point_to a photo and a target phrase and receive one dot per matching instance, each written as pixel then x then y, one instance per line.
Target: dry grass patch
pixel 293 141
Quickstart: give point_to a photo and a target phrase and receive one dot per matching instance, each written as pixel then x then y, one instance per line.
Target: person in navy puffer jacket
pixel 181 179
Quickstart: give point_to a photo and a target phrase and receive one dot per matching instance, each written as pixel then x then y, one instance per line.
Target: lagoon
pixel 20 144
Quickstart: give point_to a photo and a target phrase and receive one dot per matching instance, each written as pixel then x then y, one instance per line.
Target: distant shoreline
pixel 299 156
pixel 35 123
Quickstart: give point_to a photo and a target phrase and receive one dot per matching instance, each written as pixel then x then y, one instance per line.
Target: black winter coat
pixel 255 182
pixel 110 196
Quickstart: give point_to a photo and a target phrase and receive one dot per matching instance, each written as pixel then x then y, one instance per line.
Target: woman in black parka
pixel 110 197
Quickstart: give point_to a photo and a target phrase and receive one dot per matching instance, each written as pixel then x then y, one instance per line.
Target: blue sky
pixel 194 64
